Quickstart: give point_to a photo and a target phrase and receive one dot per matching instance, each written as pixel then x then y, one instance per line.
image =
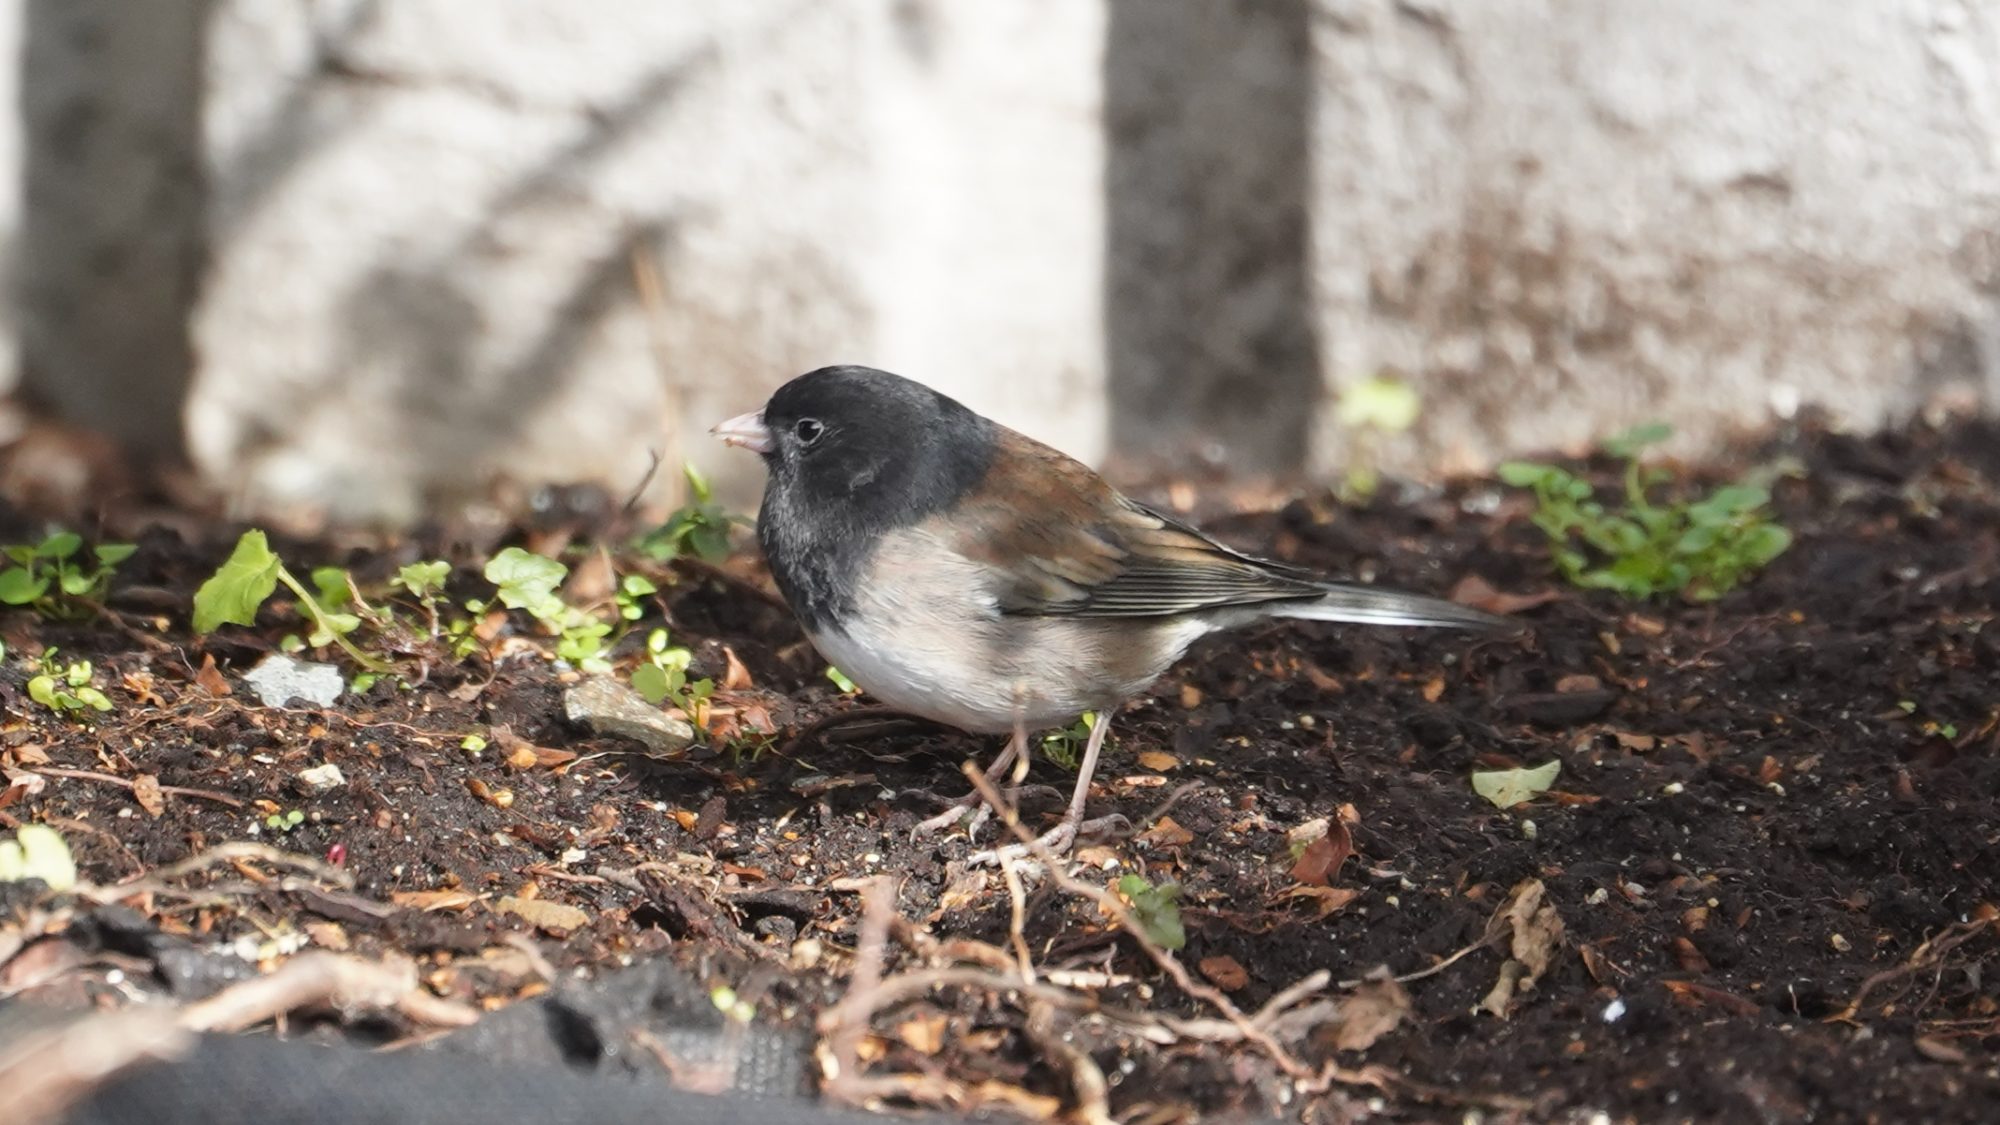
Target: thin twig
pixel 111 779
pixel 1112 905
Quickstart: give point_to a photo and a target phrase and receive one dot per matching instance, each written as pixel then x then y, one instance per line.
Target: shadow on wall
pixel 109 257
pixel 1210 339
pixel 118 226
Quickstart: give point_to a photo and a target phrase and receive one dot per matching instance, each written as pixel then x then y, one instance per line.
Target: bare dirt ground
pixel 1764 887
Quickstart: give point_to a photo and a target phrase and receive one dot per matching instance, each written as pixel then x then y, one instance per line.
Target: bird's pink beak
pixel 746 430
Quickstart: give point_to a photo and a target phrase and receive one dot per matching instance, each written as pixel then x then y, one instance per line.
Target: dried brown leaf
pixel 1225 973
pixel 555 917
pixel 1166 834
pixel 1374 1009
pixel 146 791
pixel 209 677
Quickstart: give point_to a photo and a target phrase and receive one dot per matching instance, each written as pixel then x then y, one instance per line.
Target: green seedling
pixel 66 689
pixel 285 821
pixel 700 529
pixel 37 852
pixel 631 595
pixel 1156 909
pixel 1065 747
pixel 1372 411
pixel 1930 727
pixel 839 679
pixel 662 676
pixel 530 582
pixel 57 579
pixel 252 574
pixel 1699 549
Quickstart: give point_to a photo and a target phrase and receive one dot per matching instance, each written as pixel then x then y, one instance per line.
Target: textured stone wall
pixel 1564 217
pixel 374 252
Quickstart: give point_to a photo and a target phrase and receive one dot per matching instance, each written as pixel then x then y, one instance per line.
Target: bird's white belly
pixel 928 679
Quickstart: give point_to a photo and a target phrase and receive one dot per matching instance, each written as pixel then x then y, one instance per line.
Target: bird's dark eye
pixel 808 430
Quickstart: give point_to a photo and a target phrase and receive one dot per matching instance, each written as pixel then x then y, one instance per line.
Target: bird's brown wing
pixel 1060 541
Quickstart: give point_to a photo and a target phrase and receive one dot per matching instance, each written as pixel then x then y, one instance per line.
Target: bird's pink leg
pixel 1063 836
pixel 1016 751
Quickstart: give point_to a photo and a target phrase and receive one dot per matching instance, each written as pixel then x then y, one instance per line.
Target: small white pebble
pixel 871 857
pixel 1598 897
pixel 1840 943
pixel 1776 788
pixel 1528 830
pixel 1673 789
pixel 1308 722
pixel 1614 1011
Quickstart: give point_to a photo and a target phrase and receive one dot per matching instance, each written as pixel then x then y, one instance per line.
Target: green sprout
pixel 285 821
pixel 701 528
pixel 1065 747
pixel 1156 909
pixel 66 689
pixel 1372 411
pixel 661 677
pixel 56 579
pixel 1700 549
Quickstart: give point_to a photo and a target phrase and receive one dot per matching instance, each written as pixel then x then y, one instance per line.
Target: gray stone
pixel 278 679
pixel 606 706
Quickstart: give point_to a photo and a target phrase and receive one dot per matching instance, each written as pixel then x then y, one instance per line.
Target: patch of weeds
pixel 529 582
pixel 1156 909
pixel 1700 549
pixel 661 677
pixel 66 689
pixel 252 574
pixel 57 579
pixel 700 529
pixel 1065 747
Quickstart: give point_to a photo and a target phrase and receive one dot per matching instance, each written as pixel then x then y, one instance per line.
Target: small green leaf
pixel 1632 441
pixel 61 545
pixel 525 580
pixel 75 583
pixel 1764 543
pixel 19 586
pixel 1507 788
pixel 1383 402
pixel 42 689
pixel 331 588
pixel 38 852
pixel 233 593
pixel 1525 474
pixel 1156 909
pixel 650 681
pixel 92 698
pixel 111 554
pixel 840 680
pixel 421 578
pixel 698 484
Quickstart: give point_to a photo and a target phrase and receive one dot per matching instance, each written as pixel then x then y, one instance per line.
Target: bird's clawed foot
pixel 1057 842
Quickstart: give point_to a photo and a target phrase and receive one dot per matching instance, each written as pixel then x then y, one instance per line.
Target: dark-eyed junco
pixel 962 572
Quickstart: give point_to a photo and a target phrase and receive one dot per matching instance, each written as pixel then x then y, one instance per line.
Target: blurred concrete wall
pixel 373 252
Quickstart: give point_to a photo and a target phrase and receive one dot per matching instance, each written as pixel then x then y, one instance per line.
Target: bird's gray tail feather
pixel 1366 605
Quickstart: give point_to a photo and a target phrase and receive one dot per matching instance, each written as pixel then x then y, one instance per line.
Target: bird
pixel 965 573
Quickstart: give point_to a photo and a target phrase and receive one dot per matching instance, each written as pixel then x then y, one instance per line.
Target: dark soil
pixel 1774 845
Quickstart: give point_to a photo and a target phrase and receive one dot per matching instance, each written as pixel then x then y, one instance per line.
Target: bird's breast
pixel 925 634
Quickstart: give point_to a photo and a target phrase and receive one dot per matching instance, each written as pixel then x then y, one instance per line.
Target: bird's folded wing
pixel 1059 541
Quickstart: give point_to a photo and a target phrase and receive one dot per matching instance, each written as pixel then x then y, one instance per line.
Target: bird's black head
pixel 852 453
